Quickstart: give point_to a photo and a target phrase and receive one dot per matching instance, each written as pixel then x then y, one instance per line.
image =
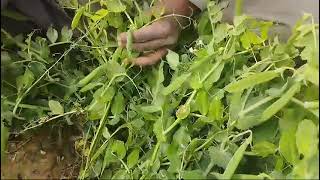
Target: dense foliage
pixel 231 103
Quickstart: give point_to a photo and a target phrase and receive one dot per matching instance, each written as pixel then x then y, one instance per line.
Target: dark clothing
pixel 40 13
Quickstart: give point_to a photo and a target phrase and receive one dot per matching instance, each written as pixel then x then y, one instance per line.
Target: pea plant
pixel 234 102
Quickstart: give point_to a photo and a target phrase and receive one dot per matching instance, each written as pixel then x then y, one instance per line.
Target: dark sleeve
pixel 41 14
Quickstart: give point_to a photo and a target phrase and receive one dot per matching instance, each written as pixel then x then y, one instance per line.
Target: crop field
pixel 230 101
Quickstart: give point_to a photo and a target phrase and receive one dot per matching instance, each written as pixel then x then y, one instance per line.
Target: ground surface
pixel 40 155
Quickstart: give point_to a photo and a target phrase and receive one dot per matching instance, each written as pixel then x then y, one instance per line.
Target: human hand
pixel 161 34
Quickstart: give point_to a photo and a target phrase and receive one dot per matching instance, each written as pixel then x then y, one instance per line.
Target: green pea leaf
pixel 215 109
pixel 249 38
pixel 264 148
pixel 174 159
pixel 118 104
pixel 193 174
pixel 158 130
pixel 307 138
pixel 56 107
pixel 133 158
pixel 202 102
pixel 114 5
pixel 118 149
pixel 219 157
pixel 173 59
pixel 25 81
pixel 66 34
pixel 52 34
pixel 100 14
pixel 251 81
pixel 287 147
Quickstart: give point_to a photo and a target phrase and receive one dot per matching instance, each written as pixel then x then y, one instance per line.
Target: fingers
pixel 152 45
pixel 151 58
pixel 157 30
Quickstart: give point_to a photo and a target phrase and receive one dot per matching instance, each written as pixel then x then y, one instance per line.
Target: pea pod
pixel 235 160
pixel 281 102
pixel 175 84
pixel 251 81
pixel 94 74
pixel 129 43
pixel 76 19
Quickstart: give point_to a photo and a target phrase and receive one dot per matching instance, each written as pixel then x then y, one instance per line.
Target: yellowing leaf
pixel 55 107
pixel 183 111
pixel 99 15
pixel 287 147
pixel 307 138
pixel 249 38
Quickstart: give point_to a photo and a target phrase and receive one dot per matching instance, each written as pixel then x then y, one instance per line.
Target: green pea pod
pixel 251 81
pixel 76 19
pixel 281 102
pixel 97 72
pixel 129 43
pixel 175 84
pixel 235 160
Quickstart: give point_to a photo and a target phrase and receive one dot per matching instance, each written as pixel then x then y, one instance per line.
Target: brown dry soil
pixel 41 155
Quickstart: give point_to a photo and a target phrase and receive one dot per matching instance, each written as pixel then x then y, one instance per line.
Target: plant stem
pixel 28 106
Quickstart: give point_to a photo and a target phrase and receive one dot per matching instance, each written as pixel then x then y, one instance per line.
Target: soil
pixel 44 154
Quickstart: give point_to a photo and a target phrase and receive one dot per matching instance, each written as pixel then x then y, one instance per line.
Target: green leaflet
pixel 55 107
pixel 175 84
pixel 307 138
pixel 118 149
pixel 202 102
pixel 118 105
pixel 133 158
pixel 52 34
pixel 236 158
pixel 287 147
pixel 281 102
pixel 66 34
pixel 215 109
pixel 173 59
pixel 76 18
pixel 251 81
pixel 100 14
pixel 249 38
pixel 219 157
pixel 158 130
pixel 114 5
pixel 264 148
